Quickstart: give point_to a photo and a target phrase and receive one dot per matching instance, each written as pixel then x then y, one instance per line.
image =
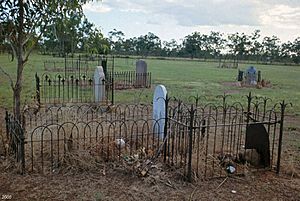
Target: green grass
pixel 181 78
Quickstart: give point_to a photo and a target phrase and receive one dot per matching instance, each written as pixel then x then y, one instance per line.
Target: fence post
pixel 282 107
pixel 166 127
pixel 38 91
pixel 191 128
pixel 249 98
pixel 112 80
pixel 6 124
pixel 104 65
pixel 22 149
pixel 65 65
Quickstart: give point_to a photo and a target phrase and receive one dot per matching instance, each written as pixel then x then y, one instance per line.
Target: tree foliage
pixel 22 23
pixel 237 46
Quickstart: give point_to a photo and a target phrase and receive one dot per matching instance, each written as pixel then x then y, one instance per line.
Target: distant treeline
pixel 76 35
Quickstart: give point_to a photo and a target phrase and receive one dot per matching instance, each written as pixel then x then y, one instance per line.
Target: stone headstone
pixel 257 138
pixel 240 75
pixel 251 76
pixel 141 73
pixel 159 110
pixel 99 85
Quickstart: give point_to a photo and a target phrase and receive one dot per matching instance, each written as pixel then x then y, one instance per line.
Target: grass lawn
pixel 181 78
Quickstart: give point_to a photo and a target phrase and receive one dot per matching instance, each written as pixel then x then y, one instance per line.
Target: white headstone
pixel 159 109
pixel 99 86
pixel 141 71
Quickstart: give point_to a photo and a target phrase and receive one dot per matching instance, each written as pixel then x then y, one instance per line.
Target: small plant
pixel 98 196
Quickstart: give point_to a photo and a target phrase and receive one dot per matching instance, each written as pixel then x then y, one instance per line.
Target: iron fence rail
pixel 203 142
pixel 59 89
pixel 80 65
pixel 130 79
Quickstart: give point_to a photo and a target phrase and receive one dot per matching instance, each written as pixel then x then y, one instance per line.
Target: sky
pixel 174 19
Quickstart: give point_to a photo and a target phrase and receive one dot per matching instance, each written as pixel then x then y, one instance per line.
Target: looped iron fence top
pixel 197 139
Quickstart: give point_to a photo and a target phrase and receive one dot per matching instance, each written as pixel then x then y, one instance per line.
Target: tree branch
pixel 35 42
pixel 9 77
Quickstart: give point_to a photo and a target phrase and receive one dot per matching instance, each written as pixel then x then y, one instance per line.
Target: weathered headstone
pixel 159 110
pixel 240 75
pixel 99 85
pixel 141 73
pixel 251 76
pixel 257 138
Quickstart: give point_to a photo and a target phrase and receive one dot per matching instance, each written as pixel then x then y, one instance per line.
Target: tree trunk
pixel 20 63
pixel 18 88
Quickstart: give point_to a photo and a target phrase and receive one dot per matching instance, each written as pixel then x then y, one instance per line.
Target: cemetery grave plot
pixel 80 65
pixel 139 78
pixel 200 141
pixel 83 66
pixel 97 132
pixel 130 80
pixel 250 78
pixel 227 139
pixel 58 89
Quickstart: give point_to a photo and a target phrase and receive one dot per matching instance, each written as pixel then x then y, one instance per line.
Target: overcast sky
pixel 170 19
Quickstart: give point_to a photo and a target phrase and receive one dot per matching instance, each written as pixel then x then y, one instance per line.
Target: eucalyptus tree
pixel 97 43
pixel 285 51
pixel 206 47
pixel 296 50
pixel 148 44
pixel 217 43
pixel 116 39
pixel 129 46
pixel 192 44
pixel 170 48
pixel 85 30
pixel 239 45
pixel 271 48
pixel 22 23
pixel 255 50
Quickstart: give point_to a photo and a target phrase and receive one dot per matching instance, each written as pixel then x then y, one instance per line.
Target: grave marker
pixel 99 85
pixel 159 109
pixel 251 76
pixel 141 73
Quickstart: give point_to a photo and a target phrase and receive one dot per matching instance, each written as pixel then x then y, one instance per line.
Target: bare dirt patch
pixel 119 185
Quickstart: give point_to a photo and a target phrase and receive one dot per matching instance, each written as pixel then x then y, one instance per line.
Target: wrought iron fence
pixel 80 65
pixel 215 140
pixel 33 117
pixel 59 89
pixel 202 140
pixel 130 79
